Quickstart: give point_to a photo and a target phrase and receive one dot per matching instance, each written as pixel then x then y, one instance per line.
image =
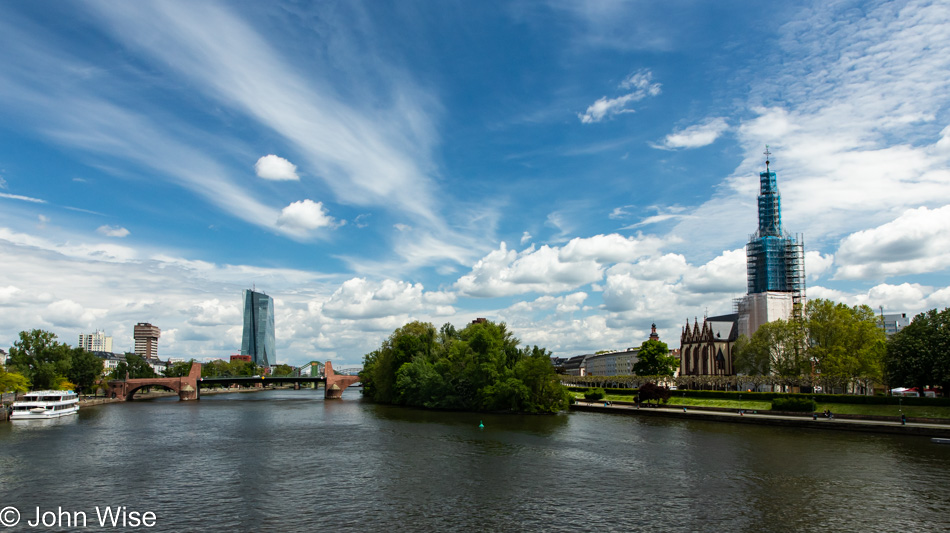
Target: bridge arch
pixel 185 386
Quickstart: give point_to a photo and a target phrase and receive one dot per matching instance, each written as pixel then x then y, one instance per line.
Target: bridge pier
pixel 336 384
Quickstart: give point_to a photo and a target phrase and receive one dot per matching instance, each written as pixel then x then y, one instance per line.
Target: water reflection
pixel 288 460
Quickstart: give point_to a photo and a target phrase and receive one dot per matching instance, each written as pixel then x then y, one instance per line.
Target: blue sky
pixel 577 170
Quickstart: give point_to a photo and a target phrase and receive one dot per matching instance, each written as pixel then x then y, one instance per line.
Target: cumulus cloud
pixel 639 84
pixel 113 231
pixel 917 241
pixel 695 136
pixel 67 313
pixel 272 167
pixel 506 272
pixel 214 313
pixel 358 298
pixel 817 263
pixel 305 215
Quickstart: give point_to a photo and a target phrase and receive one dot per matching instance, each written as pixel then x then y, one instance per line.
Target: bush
pixel 798 405
pixel 592 395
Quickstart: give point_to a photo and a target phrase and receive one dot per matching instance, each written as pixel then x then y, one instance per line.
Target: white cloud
pixel 113 231
pixel 8 294
pixel 695 136
pixel 817 264
pixel 215 313
pixel 67 313
pixel 917 241
pixel 22 198
pixel 305 215
pixel 359 299
pixel 642 85
pixel 272 167
pixel 505 272
pixel 525 238
pixel 612 248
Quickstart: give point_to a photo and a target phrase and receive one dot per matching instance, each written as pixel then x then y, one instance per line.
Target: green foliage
pixel 283 370
pixel 845 343
pixel 13 381
pixel 919 354
pixel 798 405
pixel 40 358
pixel 134 366
pixel 654 359
pixel 477 368
pixel 594 394
pixel 85 370
pixel 219 368
pixel 177 370
pixel 777 347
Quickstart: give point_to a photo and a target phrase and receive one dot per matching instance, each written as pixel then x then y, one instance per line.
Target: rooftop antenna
pixel 767 154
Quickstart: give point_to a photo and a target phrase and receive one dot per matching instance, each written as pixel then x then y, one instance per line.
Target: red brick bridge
pixel 189 387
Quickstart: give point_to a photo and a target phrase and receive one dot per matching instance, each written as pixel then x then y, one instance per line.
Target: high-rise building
pixel 95 342
pixel 775 264
pixel 258 339
pixel 146 340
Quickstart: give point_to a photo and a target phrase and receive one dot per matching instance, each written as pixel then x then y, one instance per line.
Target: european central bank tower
pixel 258 340
pixel 775 263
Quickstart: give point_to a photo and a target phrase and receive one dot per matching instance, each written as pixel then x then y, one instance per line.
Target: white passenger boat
pixel 45 404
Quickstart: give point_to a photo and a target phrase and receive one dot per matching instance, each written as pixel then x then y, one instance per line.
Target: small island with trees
pixel 480 368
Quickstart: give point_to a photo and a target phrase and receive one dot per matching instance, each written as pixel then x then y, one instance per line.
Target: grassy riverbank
pixel 912 411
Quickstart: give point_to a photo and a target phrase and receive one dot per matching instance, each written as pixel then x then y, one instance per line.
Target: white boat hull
pixel 29 415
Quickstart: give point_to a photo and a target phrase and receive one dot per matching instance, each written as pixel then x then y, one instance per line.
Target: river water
pixel 290 461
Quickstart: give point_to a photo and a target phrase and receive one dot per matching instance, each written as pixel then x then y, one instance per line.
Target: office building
pixel 146 340
pixel 258 339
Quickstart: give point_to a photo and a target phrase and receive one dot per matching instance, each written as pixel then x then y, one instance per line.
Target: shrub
pixel 800 405
pixel 594 394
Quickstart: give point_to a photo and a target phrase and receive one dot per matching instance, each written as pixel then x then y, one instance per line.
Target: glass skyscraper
pixel 258 340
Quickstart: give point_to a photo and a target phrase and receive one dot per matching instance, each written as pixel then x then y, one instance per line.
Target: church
pixel 775 266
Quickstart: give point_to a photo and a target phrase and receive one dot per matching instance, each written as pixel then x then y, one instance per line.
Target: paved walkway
pixel 747 417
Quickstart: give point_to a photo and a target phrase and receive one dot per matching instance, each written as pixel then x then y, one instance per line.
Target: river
pixel 289 461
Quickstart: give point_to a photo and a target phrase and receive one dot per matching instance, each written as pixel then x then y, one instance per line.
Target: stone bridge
pixel 188 387
pixel 185 386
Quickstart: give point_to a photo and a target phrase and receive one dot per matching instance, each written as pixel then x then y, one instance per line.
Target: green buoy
pixel 481 425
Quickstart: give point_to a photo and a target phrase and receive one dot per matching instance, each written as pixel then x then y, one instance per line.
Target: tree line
pixel 833 346
pixel 478 368
pixel 38 361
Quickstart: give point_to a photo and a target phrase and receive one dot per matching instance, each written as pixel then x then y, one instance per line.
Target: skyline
pixel 576 170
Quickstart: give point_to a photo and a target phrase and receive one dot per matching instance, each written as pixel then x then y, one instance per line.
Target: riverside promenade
pixel 841 423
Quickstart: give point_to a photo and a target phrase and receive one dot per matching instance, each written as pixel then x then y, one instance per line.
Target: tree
pixel 654 359
pixel 179 369
pixel 651 391
pixel 13 381
pixel 919 354
pixel 477 368
pixel 85 369
pixel 775 348
pixel 283 370
pixel 39 357
pixel 135 366
pixel 845 343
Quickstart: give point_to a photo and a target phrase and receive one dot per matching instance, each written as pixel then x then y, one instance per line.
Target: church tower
pixel 775 263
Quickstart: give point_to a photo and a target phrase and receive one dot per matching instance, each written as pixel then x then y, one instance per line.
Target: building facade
pixel 146 340
pixel 95 342
pixel 258 340
pixel 894 322
pixel 706 350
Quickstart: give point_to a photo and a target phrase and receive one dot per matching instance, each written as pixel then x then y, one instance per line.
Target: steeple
pixel 770 202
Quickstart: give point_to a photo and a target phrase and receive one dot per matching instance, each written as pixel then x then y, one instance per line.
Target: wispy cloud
pixel 113 231
pixel 640 84
pixel 696 135
pixel 21 198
